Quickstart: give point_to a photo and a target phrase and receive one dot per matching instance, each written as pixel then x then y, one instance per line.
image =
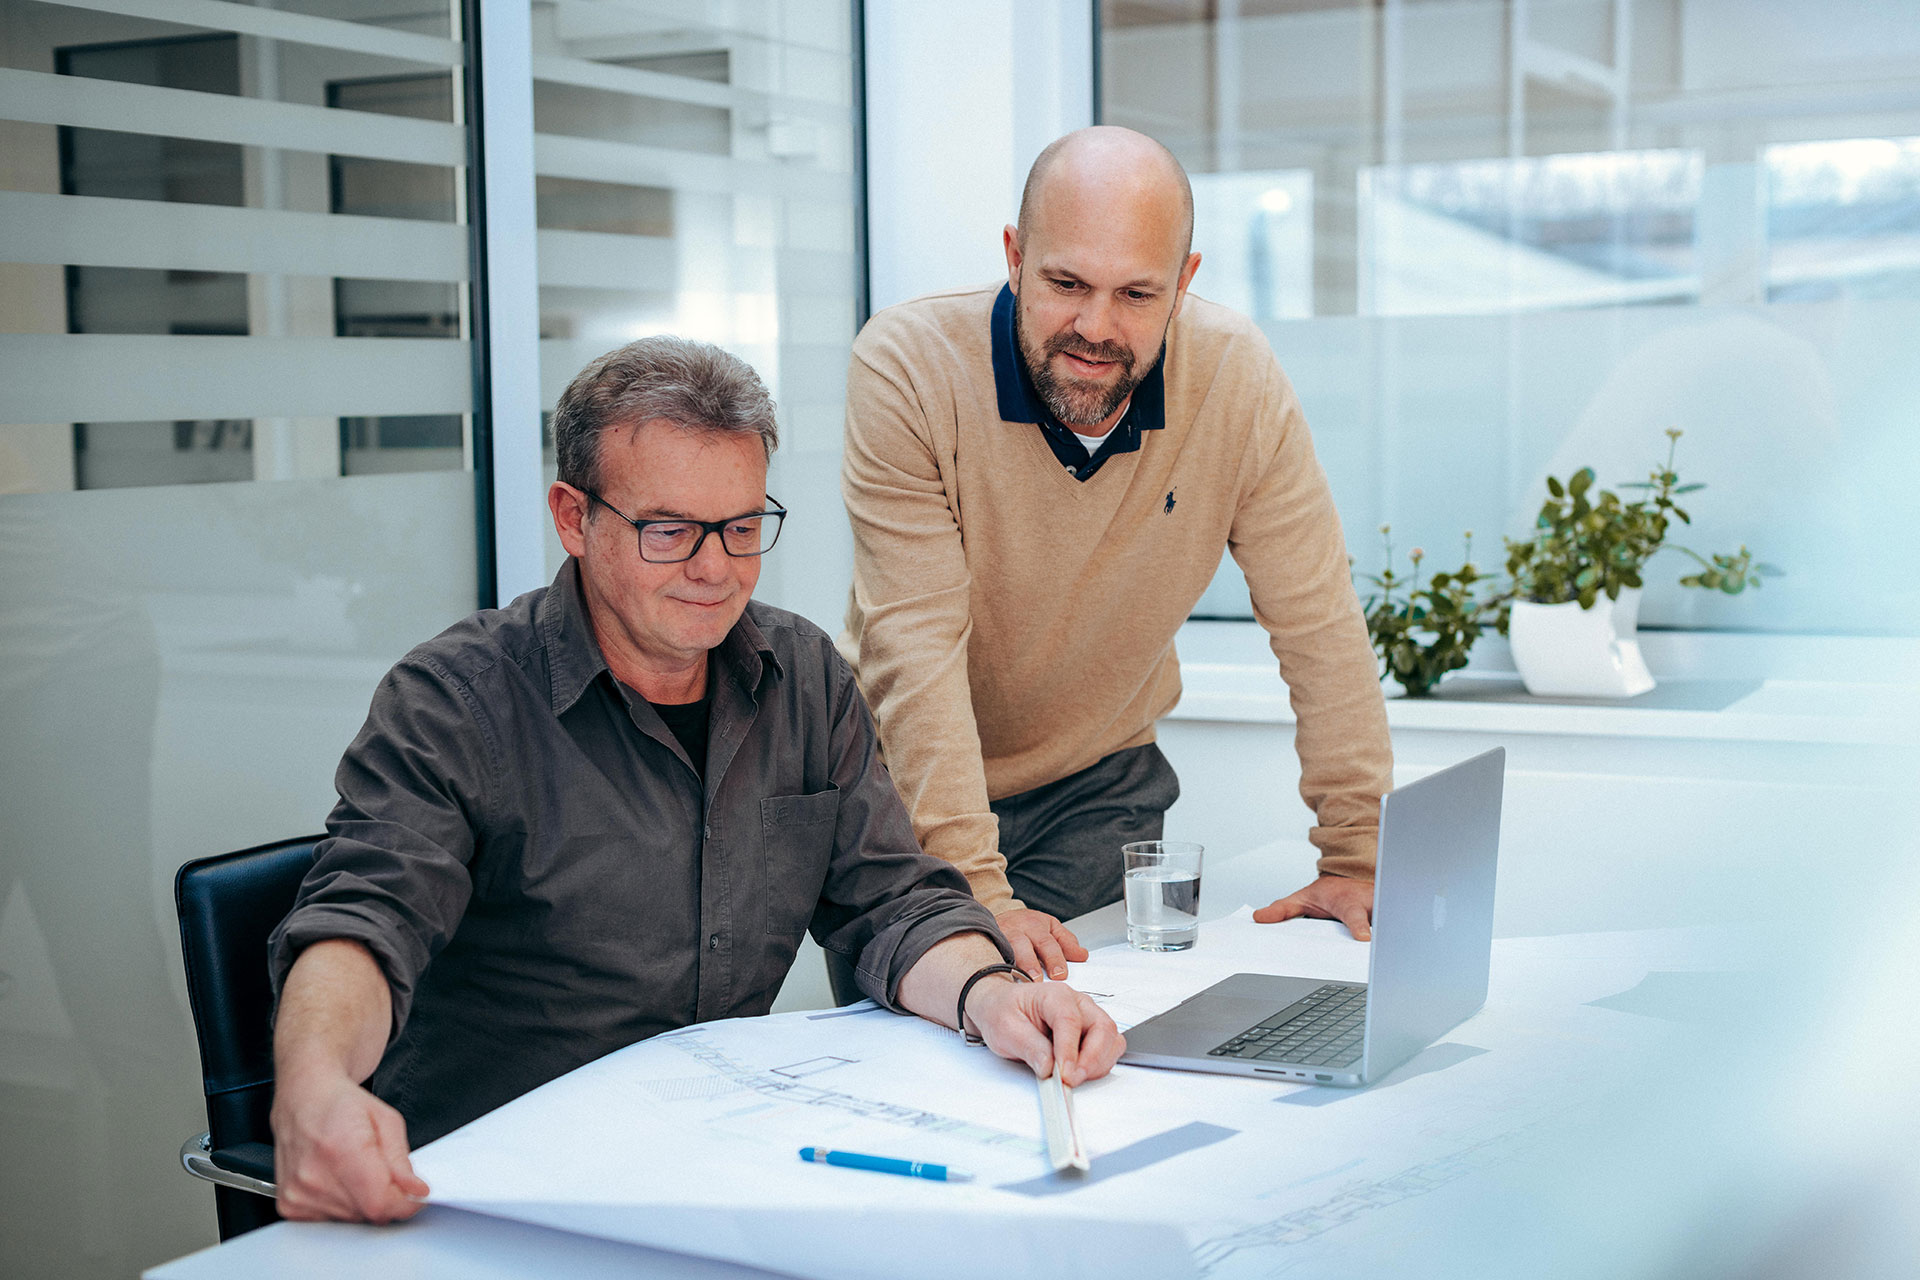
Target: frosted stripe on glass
pixel 592 260
pixel 650 264
pixel 807 271
pixel 656 84
pixel 784 25
pixel 142 378
pixel 274 24
pixel 560 359
pixel 90 231
pixel 40 98
pixel 813 373
pixel 596 161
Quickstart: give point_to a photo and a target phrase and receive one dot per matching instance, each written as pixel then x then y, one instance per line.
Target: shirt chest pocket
pixel 796 840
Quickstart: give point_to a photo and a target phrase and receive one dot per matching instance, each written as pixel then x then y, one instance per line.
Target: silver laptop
pixel 1427 973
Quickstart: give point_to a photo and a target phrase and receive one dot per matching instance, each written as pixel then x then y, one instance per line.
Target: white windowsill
pixel 1808 689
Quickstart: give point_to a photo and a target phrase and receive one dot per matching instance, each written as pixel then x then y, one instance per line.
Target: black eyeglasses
pixel 671 541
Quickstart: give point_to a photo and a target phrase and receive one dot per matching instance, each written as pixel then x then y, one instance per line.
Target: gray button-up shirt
pixel 536 865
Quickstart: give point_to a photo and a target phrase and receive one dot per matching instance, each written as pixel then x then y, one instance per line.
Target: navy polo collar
pixel 1019 400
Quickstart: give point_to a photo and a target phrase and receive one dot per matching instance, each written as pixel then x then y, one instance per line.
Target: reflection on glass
pixel 1254 234
pixel 1843 219
pixel 193 262
pixel 1539 235
pixel 696 177
pixel 1480 236
pixel 183 657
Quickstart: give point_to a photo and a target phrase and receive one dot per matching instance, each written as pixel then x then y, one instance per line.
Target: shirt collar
pixel 574 660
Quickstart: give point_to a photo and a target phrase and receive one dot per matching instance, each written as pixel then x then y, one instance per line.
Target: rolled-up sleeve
pixel 393 874
pixel 885 903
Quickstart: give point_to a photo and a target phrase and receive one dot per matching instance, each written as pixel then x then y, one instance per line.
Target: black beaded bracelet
pixel 960 1013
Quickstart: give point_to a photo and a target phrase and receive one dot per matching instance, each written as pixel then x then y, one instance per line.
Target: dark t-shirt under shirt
pixel 688 722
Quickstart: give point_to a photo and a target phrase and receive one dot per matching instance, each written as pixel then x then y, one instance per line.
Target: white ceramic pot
pixel 1564 651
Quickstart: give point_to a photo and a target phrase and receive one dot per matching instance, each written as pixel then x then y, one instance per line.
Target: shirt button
pixel 706 832
pixel 713 942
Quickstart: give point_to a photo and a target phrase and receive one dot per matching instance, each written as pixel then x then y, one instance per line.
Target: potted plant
pixel 1577 581
pixel 1421 632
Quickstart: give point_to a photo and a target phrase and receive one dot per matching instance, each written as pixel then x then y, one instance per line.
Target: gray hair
pixel 693 385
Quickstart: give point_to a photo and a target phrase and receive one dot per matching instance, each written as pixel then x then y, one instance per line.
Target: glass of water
pixel 1163 894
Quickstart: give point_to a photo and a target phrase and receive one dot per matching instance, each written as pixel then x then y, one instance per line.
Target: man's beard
pixel 1072 402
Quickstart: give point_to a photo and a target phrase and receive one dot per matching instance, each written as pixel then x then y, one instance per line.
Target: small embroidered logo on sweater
pixel 1169 507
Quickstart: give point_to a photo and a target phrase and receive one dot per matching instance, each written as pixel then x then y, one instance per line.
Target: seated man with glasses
pixel 610 809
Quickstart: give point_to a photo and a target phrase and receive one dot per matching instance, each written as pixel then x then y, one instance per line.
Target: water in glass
pixel 1163 908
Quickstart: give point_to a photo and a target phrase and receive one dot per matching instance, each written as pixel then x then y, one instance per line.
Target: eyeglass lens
pixel 666 542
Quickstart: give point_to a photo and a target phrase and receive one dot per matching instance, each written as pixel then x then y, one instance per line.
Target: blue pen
pixel 883 1164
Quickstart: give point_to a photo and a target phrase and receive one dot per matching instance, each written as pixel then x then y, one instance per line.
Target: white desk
pixel 447 1242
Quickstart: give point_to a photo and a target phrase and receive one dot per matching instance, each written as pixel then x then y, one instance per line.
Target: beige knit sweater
pixel 1011 625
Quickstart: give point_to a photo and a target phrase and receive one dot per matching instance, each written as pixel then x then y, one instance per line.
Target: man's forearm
pixel 339 1152
pixel 932 987
pixel 335 1013
pixel 1047 1025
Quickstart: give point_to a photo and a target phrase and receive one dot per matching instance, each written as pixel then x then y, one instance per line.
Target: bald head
pixel 1099 267
pixel 1114 169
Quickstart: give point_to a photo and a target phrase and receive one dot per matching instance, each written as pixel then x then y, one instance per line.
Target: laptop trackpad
pixel 1222 1010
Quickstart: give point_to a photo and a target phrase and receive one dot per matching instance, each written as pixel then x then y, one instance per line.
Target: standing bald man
pixel 1041 476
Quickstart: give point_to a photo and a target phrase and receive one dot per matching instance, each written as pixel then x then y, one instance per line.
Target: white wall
pixel 960 98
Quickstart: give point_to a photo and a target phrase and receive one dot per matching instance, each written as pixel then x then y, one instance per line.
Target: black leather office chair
pixel 228 906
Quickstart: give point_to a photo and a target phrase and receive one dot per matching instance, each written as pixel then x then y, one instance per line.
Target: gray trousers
pixel 1062 840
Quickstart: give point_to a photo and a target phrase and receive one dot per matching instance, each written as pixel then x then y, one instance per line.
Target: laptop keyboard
pixel 1322 1030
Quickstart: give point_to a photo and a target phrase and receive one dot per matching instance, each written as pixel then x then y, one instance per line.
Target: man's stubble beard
pixel 1076 406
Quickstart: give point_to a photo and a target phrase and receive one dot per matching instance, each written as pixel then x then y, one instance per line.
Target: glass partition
pixel 235 485
pixel 1526 236
pixel 696 175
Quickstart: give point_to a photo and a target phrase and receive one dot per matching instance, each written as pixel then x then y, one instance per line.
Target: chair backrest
pixel 228 906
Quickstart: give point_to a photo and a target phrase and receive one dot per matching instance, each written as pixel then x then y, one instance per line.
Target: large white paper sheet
pixel 689 1141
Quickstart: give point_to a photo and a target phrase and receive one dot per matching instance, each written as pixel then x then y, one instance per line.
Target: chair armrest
pixel 249 1159
pixel 245 1166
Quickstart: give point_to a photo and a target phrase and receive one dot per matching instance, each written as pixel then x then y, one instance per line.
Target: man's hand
pixel 1041 945
pixel 1339 898
pixel 1043 1023
pixel 340 1153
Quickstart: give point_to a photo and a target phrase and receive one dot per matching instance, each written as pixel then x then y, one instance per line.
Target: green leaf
pixel 1582 481
pixel 1690 488
pixel 1555 488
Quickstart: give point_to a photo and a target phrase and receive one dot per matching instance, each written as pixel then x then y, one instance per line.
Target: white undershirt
pixel 1092 443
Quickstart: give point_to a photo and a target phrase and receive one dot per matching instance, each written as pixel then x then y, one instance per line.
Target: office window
pixel 1537 233
pixel 1492 236
pixel 1843 219
pixel 696 175
pixel 234 275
